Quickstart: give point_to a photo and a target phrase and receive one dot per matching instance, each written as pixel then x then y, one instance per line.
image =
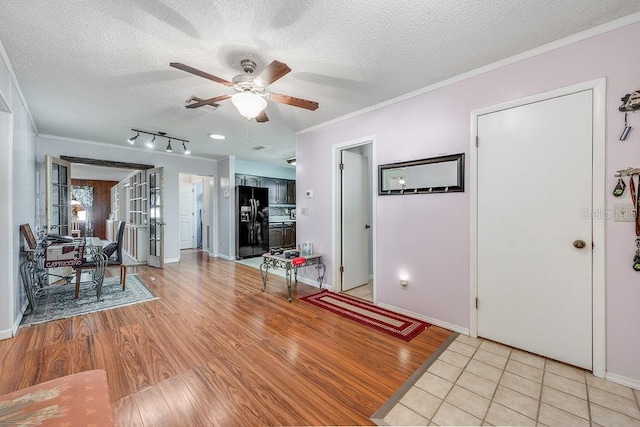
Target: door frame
pixel 598 88
pixel 336 225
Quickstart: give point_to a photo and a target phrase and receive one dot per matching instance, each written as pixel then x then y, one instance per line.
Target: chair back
pixel 120 240
pixel 100 261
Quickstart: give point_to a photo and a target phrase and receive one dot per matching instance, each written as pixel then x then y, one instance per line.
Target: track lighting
pixel 152 143
pixel 132 140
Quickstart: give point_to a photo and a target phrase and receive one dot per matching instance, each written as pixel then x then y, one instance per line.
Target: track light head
pixel 186 150
pixel 151 144
pixel 169 149
pixel 132 140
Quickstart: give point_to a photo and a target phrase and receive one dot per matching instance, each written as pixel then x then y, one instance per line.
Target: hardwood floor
pixel 215 350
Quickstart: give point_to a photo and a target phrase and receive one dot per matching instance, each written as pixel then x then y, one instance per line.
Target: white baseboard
pixel 171 260
pixel 227 257
pixel 436 322
pixel 6 334
pixel 314 283
pixel 16 324
pixel 619 379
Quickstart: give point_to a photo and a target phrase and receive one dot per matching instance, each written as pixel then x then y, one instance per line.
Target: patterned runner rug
pixel 395 324
pixel 58 302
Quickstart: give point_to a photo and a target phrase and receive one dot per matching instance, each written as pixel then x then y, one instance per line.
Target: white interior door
pixel 156 218
pixel 58 196
pixel 186 216
pixel 534 199
pixel 355 220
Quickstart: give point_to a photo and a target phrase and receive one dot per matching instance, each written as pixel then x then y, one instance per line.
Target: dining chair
pixel 113 254
pixel 98 265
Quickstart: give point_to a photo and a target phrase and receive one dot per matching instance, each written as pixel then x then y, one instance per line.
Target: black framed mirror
pixel 444 174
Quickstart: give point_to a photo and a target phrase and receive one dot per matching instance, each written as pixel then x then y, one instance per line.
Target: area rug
pixel 397 325
pixel 58 302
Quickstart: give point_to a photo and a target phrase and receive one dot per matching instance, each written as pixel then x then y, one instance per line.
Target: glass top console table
pixel 291 268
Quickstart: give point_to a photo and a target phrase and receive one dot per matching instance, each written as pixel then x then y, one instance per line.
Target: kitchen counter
pixel 281 219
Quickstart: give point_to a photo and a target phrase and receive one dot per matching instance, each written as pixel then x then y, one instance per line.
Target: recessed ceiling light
pixel 216 136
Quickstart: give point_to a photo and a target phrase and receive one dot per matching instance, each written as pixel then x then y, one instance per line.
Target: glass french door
pixel 58 196
pixel 156 217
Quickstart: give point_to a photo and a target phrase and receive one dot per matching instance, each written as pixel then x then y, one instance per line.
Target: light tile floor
pixel 255 263
pixel 364 292
pixel 480 382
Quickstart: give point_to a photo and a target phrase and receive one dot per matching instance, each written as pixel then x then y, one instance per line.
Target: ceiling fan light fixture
pixel 248 104
pixel 169 149
pixel 132 140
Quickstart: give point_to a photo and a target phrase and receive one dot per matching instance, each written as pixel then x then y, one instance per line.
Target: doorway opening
pixel 195 212
pixel 354 207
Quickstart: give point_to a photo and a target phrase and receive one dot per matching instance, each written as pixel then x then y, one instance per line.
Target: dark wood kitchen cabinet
pixel 272 185
pixel 291 192
pixel 281 191
pixel 276 238
pixel 282 235
pixel 289 235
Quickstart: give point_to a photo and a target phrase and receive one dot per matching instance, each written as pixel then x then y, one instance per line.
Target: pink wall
pixel 428 235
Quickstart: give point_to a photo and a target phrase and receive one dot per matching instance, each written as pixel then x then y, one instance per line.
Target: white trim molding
pixel 622 380
pixel 598 88
pixel 433 321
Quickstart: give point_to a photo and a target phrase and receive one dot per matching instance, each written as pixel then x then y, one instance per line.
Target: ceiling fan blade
pixel 262 117
pixel 273 72
pixel 197 72
pixel 292 100
pixel 210 101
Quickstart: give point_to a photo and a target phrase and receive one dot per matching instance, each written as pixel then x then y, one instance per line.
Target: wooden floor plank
pixel 216 350
pixel 125 412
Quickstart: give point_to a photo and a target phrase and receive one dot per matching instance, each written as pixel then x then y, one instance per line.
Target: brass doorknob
pixel 579 244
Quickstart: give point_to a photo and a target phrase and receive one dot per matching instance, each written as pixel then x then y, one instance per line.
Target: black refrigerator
pixel 252 221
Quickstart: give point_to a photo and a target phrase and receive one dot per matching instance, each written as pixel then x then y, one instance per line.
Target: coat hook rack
pixel 630 102
pixel 627 172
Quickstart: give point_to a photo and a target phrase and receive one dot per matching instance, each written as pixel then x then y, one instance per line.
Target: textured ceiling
pixel 94 69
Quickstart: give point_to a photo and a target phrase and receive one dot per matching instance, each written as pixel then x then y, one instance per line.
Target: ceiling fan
pixel 251 96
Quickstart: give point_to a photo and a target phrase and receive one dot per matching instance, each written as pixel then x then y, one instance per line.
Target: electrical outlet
pixel 303 211
pixel 624 213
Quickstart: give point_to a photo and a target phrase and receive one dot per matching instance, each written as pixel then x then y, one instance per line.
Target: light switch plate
pixel 309 193
pixel 624 212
